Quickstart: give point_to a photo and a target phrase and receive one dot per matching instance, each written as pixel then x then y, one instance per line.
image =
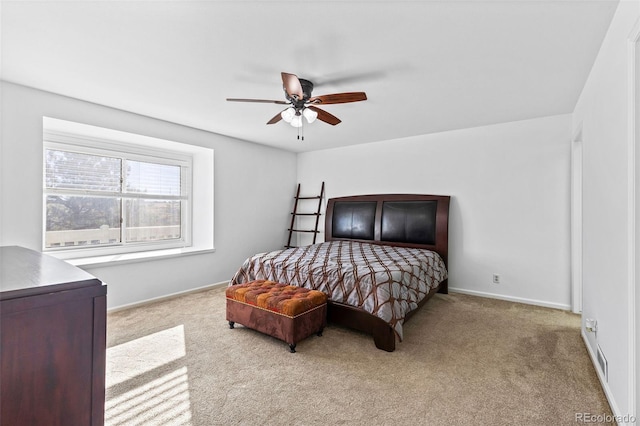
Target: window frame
pixel 91 145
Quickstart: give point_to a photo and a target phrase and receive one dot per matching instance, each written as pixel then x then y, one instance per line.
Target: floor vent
pixel 604 367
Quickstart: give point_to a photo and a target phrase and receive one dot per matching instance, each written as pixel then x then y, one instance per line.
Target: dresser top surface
pixel 25 272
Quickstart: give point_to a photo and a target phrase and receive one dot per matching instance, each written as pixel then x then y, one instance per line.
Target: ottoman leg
pixel 320 332
pixel 231 323
pixel 292 348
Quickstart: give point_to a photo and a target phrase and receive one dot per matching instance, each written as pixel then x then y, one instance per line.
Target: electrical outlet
pixel 496 279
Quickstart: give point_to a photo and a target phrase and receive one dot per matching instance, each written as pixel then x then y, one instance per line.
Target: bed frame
pixel 404 220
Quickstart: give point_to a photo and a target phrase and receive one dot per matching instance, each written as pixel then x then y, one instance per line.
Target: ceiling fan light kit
pixel 296 121
pixel 288 114
pixel 310 115
pixel 293 117
pixel 302 104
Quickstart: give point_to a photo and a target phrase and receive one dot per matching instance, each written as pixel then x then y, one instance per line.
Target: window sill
pixel 119 259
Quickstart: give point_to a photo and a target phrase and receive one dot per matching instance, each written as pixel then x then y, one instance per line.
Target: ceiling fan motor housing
pixel 307 88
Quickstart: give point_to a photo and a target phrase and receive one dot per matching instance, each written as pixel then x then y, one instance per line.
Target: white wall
pixel 253 192
pixel 602 111
pixel 510 199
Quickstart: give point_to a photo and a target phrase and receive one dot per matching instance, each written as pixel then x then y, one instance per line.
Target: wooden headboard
pixel 407 220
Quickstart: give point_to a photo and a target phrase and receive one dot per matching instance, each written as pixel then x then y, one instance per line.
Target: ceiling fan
pixel 303 104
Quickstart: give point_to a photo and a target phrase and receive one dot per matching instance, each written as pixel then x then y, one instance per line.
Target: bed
pixel 383 257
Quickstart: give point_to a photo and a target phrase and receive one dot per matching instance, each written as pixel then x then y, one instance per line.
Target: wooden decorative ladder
pixel 295 214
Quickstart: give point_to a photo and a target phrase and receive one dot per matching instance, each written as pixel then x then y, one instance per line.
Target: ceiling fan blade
pixel 292 85
pixel 325 116
pixel 339 98
pixel 346 77
pixel 275 119
pixel 264 101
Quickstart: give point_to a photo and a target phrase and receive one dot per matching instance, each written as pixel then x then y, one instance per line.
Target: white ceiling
pixel 426 66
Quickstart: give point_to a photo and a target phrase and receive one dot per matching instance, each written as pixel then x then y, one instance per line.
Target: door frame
pixel 576 221
pixel 633 197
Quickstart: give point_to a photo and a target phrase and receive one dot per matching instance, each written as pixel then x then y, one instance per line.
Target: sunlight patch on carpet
pixel 162 401
pixel 144 354
pixel 158 386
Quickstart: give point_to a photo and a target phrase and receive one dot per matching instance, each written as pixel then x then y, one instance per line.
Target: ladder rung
pixel 308 198
pixel 306 214
pixel 302 230
pixel 290 246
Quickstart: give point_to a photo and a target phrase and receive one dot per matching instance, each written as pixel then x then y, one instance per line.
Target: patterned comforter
pixel 385 281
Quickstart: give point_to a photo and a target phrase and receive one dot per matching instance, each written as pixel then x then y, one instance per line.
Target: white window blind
pixel 97 197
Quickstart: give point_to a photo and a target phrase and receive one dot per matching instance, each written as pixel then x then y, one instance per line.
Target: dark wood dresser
pixel 52 341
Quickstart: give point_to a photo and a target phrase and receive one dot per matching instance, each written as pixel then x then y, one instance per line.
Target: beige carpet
pixel 464 360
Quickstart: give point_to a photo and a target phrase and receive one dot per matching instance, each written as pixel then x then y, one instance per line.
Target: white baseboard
pixel 603 383
pixel 511 298
pixel 167 296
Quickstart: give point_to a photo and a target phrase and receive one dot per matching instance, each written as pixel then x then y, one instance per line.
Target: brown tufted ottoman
pixel 283 311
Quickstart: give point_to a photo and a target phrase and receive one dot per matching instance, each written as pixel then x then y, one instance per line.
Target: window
pixel 104 194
